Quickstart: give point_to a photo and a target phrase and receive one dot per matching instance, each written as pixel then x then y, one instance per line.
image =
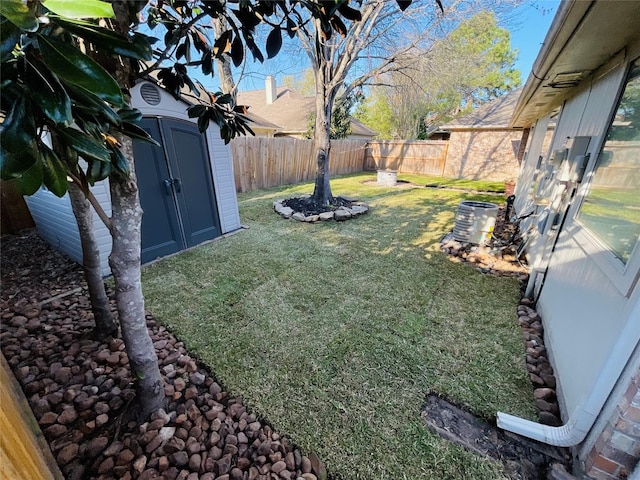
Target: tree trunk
pixel 321 136
pixel 105 323
pixel 227 84
pixel 126 227
pixel 126 220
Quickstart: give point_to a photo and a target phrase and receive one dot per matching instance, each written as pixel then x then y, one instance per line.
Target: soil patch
pixel 522 458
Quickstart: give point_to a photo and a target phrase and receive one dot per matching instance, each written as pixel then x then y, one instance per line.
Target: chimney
pixel 270 87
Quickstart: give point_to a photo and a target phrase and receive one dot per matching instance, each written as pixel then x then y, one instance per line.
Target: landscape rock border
pixel 501 260
pixel 339 214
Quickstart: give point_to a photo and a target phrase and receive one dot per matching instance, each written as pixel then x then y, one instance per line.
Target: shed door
pixel 176 188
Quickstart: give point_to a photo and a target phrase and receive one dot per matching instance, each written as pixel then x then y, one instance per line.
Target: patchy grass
pixel 335 332
pixel 429 181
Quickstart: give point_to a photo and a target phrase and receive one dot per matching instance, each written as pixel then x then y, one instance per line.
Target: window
pixel 611 207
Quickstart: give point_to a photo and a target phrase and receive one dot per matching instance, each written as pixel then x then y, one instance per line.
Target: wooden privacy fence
pixel 24 452
pixel 261 162
pixel 422 157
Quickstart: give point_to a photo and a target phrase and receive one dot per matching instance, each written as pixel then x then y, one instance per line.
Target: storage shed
pixel 187 189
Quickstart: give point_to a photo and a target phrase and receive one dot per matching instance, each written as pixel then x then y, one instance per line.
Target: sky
pixel 530 24
pixel 535 19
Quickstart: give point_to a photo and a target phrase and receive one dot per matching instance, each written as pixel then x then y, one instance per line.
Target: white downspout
pixel 584 416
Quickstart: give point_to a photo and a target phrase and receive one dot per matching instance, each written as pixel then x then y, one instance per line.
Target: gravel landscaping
pixel 80 389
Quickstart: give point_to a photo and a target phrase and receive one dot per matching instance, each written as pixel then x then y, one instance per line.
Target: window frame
pixel 624 276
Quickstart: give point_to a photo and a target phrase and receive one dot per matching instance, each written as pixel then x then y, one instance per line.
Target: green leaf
pixel 130 115
pixel 137 47
pixel 237 51
pixel 98 171
pixel 76 68
pixel 9 37
pixel 135 132
pixel 31 180
pixel 196 111
pixel 274 42
pixel 18 13
pixel 203 122
pixel 80 9
pixel 18 148
pixel 224 99
pixel 87 101
pixel 86 146
pixel 47 92
pixel 119 161
pixel 223 43
pixel 54 173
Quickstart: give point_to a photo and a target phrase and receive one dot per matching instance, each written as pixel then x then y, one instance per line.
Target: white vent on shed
pixel 150 94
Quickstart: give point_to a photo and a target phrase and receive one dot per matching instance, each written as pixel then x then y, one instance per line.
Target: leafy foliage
pixel 54 79
pixel 471 66
pixel 50 86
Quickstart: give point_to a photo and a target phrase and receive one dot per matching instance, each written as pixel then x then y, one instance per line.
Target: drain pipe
pixel 584 416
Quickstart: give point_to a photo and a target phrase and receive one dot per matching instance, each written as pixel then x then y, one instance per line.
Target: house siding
pixel 588 318
pixel 483 154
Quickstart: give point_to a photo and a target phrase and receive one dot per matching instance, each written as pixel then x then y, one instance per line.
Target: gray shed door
pixel 176 188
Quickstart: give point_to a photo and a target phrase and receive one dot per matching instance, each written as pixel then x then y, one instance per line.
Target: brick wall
pixel 617 450
pixel 484 154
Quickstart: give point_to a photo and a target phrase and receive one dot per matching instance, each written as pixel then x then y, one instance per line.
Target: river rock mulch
pixel 80 389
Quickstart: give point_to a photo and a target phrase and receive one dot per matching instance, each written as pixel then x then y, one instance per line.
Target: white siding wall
pixel 583 310
pixel 57 226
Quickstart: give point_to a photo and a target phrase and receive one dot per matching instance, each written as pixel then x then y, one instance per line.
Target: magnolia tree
pixel 66 70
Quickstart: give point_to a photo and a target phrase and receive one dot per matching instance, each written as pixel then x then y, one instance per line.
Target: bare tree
pixel 381 39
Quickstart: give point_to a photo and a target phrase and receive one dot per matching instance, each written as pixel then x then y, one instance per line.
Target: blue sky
pixel 534 19
pixel 530 23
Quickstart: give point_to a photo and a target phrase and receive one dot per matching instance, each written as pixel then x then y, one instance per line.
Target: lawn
pixel 335 332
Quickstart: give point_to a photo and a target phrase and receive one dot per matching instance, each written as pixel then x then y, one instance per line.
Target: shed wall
pixel 57 225
pixel 484 154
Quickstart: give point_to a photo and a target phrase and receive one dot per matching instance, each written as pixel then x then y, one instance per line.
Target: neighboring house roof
pixel 495 114
pixel 258 121
pixel 361 130
pixel 583 36
pixel 290 110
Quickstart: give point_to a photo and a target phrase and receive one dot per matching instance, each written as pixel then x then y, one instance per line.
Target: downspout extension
pixel 585 414
pixel 567 435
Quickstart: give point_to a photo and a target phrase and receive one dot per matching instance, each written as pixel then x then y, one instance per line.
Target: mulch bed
pixel 308 206
pixel 81 390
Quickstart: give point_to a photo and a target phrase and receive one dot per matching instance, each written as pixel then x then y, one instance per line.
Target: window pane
pixel 611 208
